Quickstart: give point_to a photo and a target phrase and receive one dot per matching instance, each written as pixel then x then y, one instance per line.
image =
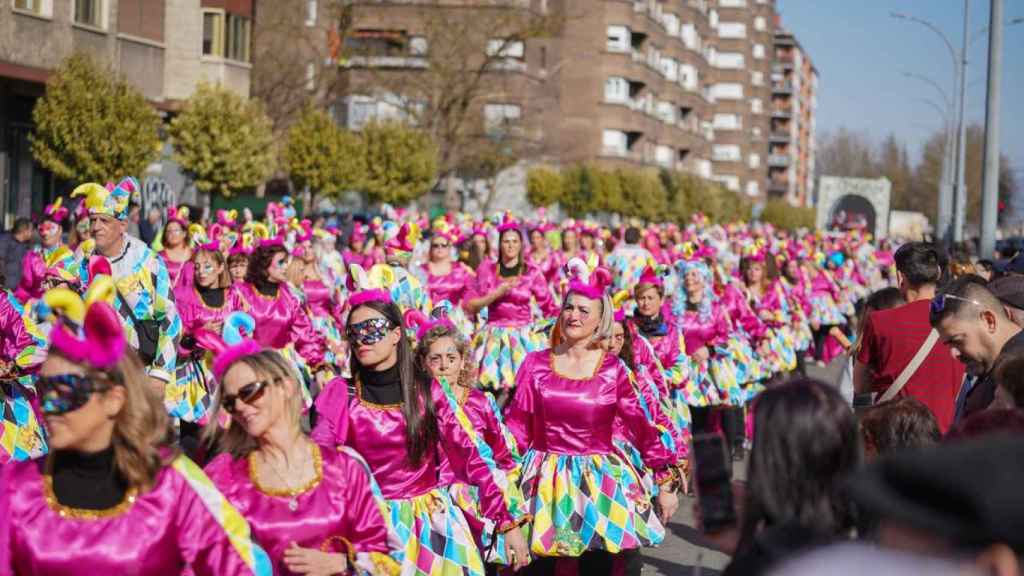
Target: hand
pixel 668 502
pixel 767 315
pixel 702 354
pixel 516 550
pixel 7 369
pixel 815 325
pixel 157 385
pixel 215 326
pixel 314 562
pixel 504 288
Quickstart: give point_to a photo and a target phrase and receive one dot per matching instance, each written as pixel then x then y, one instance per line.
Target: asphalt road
pixel 681 554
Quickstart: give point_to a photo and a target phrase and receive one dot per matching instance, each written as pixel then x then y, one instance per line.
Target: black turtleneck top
pixel 87 480
pixel 652 326
pixel 384 387
pixel 212 297
pixel 267 288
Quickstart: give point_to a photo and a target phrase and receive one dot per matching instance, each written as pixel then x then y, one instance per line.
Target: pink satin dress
pixel 180 273
pixel 182 525
pixel 281 322
pixel 337 513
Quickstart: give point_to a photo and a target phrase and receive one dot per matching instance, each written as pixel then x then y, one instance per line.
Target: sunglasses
pixel 939 302
pixel 368 332
pixel 248 394
pixel 440 245
pixel 66 392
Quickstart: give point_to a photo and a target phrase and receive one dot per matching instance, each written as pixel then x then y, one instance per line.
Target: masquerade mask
pixel 368 332
pixel 48 228
pixel 248 394
pixel 66 393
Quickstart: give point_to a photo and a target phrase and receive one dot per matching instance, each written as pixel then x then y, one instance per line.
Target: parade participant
pixel 356 252
pixel 177 251
pixel 477 248
pixel 570 240
pixel 442 353
pixel 542 256
pixel 315 509
pixel 144 297
pixel 650 322
pixel 589 233
pixel 400 423
pixel 203 305
pixel 628 260
pixel 795 286
pixel 767 298
pixel 448 280
pixel 406 289
pixel 51 254
pixel 323 300
pixel 827 318
pixel 507 289
pixel 563 416
pixel 281 322
pixel 21 435
pixel 705 322
pixel 112 497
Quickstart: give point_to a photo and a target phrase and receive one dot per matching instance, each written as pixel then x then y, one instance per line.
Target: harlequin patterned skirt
pixel 436 538
pixel 587 502
pixel 500 350
pixel 190 395
pixel 490 542
pixel 21 435
pixel 825 311
pixel 782 343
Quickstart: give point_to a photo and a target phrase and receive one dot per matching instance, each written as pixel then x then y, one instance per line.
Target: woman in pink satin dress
pixel 315 509
pixel 176 253
pixel 112 497
pixel 447 279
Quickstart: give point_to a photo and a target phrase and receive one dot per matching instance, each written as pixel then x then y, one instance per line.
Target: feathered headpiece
pixel 303 229
pixel 589 282
pixel 86 331
pixel 424 324
pixel 227 218
pixel 618 301
pixel 755 251
pixel 358 234
pixel 55 212
pixel 200 240
pixel 508 222
pixel 446 230
pixel 233 343
pixel 370 286
pixel 178 214
pixel 110 200
pixel 405 241
pixel 653 274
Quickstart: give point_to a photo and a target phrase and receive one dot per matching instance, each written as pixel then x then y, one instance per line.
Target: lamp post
pixel 945 216
pixel 990 178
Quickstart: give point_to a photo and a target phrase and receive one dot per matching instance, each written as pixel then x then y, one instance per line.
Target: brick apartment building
pixel 164 48
pixel 792 139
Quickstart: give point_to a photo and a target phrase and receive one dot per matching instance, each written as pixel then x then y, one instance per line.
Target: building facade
pixel 793 130
pixel 164 48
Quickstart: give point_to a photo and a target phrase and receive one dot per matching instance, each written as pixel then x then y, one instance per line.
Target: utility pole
pixel 960 208
pixel 990 185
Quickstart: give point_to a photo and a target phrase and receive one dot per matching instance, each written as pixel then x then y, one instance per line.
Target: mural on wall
pixel 156 193
pixel 854 204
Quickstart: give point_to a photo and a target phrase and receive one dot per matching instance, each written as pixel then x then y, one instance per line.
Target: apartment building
pixel 741 66
pixel 794 105
pixel 164 48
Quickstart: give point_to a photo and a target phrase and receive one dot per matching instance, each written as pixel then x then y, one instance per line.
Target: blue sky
pixel 861 53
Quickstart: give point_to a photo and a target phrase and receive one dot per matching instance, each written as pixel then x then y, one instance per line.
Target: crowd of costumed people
pixel 395 396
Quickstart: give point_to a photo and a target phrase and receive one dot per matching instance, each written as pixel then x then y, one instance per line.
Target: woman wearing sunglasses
pixel 282 323
pixel 443 353
pixel 313 508
pixel 112 497
pixel 508 290
pixel 448 280
pixel 202 305
pixel 401 424
pixel 563 416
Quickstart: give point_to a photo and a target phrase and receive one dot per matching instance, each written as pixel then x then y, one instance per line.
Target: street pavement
pixel 681 554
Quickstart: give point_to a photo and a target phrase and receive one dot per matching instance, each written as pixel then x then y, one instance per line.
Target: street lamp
pixel 980 32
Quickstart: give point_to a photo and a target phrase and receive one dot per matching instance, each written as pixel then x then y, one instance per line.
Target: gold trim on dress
pixel 85 513
pixel 318 467
pixel 597 368
pixel 367 403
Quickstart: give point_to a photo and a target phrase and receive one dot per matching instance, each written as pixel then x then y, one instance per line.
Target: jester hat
pixel 112 200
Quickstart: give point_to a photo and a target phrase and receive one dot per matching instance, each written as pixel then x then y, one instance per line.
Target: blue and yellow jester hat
pixel 110 200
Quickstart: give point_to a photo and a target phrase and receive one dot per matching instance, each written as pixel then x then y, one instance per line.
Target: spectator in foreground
pixel 957 501
pixel 805 445
pixel 974 324
pixel 893 338
pixel 1009 376
pixel 899 424
pixel 987 423
pixel 1010 291
pixel 13 247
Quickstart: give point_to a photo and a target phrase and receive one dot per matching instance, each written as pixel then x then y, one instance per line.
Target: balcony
pixel 385 62
pixel 778 161
pixel 782 87
pixel 778 187
pixel 782 113
pixel 778 137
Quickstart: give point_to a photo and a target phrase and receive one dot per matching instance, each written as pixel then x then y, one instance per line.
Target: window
pixel 616 89
pixel 713 19
pixel 672 24
pixel 213 33
pixel 618 39
pixel 237 38
pixel 311 76
pixel 497 117
pixel 760 23
pixel 759 51
pixel 89 12
pixel 732 30
pixel 418 46
pixel 688 77
pixel 38 7
pixel 753 188
pixel 504 48
pixel 732 3
pixel 614 142
pixel 670 69
pixel 726 153
pixel 757 78
pixel 311 12
pixel 754 160
pixel 704 168
pixel 664 155
pixel 729 60
pixel 730 182
pixel 727 91
pixel 689 36
pixel 727 122
pixel 756 106
pixel 667 112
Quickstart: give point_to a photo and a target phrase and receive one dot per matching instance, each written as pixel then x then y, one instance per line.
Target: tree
pixel 848 154
pixel 401 162
pixel 782 214
pixel 323 157
pixel 894 164
pixel 223 142
pixel 643 195
pixel 677 199
pixel 577 191
pixel 91 126
pixel 544 187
